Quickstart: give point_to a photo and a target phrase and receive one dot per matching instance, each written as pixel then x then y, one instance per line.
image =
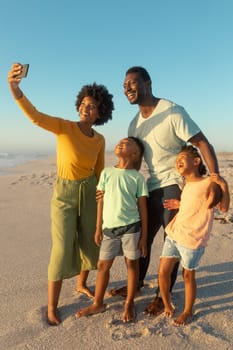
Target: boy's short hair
pixel 139 143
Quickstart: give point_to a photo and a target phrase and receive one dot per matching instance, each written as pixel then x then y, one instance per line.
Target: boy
pixel 121 223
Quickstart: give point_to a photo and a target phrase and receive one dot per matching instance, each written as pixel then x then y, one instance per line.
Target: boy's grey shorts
pixel 126 244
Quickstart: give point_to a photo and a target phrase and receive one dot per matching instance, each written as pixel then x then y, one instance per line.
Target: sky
pixel 186 46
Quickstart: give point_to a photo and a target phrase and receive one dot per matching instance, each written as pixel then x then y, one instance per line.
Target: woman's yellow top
pixel 78 156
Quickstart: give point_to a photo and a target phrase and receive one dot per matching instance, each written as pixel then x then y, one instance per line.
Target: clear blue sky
pixel 186 45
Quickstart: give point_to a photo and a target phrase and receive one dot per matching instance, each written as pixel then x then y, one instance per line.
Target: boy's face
pixel 127 147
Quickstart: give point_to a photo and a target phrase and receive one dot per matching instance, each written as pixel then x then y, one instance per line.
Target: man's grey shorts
pixel 126 244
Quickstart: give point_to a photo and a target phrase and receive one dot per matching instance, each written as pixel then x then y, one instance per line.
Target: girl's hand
pixel 171 204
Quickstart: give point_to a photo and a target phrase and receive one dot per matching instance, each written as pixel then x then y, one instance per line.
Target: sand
pixel 25 247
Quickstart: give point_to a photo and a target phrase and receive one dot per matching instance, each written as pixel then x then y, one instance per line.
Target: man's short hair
pixel 140 70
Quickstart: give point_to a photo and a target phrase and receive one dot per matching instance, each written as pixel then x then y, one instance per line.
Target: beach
pixel 25 244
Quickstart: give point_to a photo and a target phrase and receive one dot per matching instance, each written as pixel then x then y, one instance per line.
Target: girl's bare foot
pixel 53 319
pixel 183 319
pixel 86 291
pixel 91 310
pixel 129 314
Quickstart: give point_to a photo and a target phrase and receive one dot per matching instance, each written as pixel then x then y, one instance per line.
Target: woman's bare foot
pixel 91 310
pixel 86 291
pixel 169 312
pixel 183 319
pixel 129 314
pixel 53 319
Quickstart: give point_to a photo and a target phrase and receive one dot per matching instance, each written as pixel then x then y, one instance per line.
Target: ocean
pixel 11 159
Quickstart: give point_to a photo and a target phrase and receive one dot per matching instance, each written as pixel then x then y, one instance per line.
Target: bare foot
pixel 53 319
pixel 169 312
pixel 86 291
pixel 91 310
pixel 122 291
pixel 129 314
pixel 155 308
pixel 183 319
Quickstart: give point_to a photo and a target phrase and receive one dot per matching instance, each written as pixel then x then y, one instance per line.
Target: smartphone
pixel 24 71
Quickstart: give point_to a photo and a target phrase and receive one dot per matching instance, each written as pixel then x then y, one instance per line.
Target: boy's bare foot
pixel 86 291
pixel 169 312
pixel 183 319
pixel 53 319
pixel 155 308
pixel 129 314
pixel 91 310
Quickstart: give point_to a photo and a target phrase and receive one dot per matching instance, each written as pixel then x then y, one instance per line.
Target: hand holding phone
pixel 24 71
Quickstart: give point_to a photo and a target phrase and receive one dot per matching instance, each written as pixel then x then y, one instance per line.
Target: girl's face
pixel 185 164
pixel 88 110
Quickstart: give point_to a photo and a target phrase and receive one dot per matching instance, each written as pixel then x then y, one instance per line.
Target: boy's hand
pixel 98 237
pixel 171 204
pixel 142 246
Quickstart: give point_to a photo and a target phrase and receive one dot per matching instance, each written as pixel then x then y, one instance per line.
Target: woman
pixel 80 159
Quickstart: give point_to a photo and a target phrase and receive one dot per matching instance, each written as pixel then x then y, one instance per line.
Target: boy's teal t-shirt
pixel 122 188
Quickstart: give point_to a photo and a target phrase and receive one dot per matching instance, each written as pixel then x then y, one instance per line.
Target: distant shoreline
pixel 110 159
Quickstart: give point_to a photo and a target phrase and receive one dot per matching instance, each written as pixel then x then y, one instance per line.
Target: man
pixel 164 127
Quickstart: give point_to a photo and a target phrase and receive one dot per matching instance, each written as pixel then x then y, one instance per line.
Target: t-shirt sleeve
pixel 101 183
pixel 142 187
pixel 184 126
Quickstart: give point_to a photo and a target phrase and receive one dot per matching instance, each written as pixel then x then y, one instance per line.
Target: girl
pixel 189 230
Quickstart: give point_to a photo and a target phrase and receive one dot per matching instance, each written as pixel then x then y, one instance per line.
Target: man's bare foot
pixel 53 319
pixel 155 308
pixel 169 312
pixel 122 291
pixel 129 314
pixel 86 291
pixel 183 319
pixel 91 310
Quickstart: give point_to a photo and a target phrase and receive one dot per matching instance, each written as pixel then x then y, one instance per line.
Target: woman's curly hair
pixel 103 99
pixel 193 152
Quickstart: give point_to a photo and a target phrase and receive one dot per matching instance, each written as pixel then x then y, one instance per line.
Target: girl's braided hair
pixel 193 152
